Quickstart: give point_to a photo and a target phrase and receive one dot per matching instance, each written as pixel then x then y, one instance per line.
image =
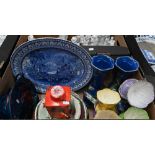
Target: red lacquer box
pixel 57 101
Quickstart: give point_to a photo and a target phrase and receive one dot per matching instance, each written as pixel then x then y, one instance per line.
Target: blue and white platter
pixel 47 62
pixel 148 56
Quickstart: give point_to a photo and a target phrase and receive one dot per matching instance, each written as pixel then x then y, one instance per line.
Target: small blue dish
pixel 126 66
pixel 101 64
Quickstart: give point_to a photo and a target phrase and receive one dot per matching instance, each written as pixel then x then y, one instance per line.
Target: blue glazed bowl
pixel 23 99
pixel 101 64
pixel 20 102
pixel 126 66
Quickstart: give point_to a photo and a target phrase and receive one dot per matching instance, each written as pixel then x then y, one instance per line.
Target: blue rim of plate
pixel 25 48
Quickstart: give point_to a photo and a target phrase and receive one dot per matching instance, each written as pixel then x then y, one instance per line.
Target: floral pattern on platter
pixel 52 61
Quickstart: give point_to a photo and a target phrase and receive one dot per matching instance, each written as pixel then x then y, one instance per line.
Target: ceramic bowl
pixel 141 94
pixel 108 96
pixel 134 113
pixel 124 87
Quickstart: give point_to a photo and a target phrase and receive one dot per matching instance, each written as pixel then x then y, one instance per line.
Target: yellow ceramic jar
pixel 107 99
pixel 101 106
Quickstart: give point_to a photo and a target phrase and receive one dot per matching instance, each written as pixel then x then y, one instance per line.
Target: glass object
pixel 94 40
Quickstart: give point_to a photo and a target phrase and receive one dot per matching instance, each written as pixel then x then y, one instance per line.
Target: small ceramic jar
pixel 108 99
